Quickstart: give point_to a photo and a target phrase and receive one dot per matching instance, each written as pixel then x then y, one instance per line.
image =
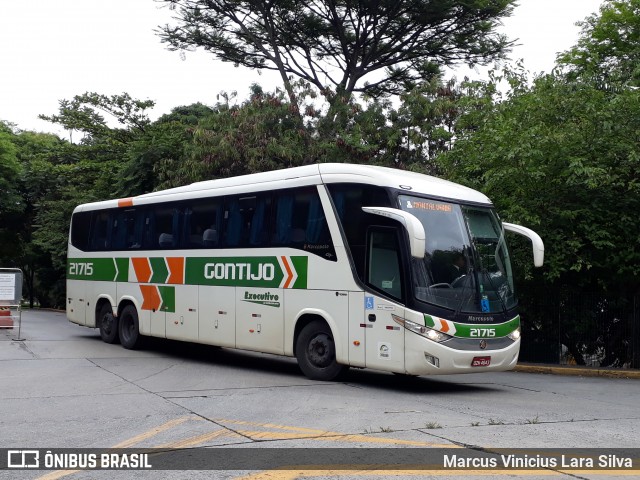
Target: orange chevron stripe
pixel 445 326
pixel 176 270
pixel 289 272
pixel 142 268
pixel 150 297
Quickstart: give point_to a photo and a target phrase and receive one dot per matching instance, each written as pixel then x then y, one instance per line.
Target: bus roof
pixel 411 182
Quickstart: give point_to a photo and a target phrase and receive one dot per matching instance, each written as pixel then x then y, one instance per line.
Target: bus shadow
pixel 223 357
pixel 229 358
pixel 410 384
pixel 278 365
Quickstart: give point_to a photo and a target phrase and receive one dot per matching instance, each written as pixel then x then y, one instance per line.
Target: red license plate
pixel 481 361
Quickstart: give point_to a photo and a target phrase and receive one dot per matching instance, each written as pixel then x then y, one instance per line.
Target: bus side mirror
pixel 536 241
pixel 412 225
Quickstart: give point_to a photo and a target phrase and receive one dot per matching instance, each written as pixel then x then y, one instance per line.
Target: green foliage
pixel 608 50
pixel 9 172
pixel 56 176
pixel 259 135
pixel 11 205
pixel 561 157
pixel 84 113
pixel 265 133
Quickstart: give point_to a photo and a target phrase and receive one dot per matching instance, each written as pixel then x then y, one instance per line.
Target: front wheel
pixel 128 328
pixel 316 352
pixel 108 324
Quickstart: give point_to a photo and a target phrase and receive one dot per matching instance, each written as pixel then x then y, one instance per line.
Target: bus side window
pixel 292 217
pixel 300 222
pixel 246 221
pixel 161 227
pixel 284 213
pixel 348 200
pixel 317 230
pixel 202 224
pixel 233 223
pixel 148 230
pixel 127 230
pixel 80 230
pixel 384 261
pixel 100 231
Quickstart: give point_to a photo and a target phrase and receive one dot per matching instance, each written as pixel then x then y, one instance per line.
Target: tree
pixel 84 113
pixel 9 172
pixel 164 142
pixel 60 175
pixel 561 157
pixel 608 50
pixel 341 47
pixel 35 152
pixel 11 205
pixel 262 133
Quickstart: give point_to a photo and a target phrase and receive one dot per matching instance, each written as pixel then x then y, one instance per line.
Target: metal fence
pixel 569 327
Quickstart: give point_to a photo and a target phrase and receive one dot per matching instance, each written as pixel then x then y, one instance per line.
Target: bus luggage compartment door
pixel 260 319
pixel 217 315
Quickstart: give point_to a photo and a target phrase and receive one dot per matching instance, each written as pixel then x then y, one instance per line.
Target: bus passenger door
pixel 217 315
pixel 383 336
pixel 260 319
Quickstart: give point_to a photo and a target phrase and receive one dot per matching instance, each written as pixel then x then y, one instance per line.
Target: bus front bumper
pixel 425 357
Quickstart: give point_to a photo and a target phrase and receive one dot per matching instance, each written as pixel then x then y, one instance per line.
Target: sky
pixel 53 50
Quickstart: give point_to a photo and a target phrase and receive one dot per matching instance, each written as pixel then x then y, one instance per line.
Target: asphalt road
pixel 62 387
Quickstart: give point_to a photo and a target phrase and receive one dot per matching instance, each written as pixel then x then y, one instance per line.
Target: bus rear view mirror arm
pixel 412 225
pixel 536 241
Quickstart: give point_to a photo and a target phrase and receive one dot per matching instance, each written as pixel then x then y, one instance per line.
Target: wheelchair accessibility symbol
pixel 368 303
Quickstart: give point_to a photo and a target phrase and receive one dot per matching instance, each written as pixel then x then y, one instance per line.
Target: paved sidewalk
pixel 577 370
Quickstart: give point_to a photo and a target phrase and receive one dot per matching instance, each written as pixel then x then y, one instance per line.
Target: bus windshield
pixel 466 267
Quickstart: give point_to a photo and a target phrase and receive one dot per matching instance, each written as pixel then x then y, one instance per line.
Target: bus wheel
pixel 316 352
pixel 128 328
pixel 108 324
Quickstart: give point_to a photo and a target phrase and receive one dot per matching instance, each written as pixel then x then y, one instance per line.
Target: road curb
pixel 578 371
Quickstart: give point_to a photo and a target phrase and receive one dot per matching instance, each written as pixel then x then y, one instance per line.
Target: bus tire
pixel 316 352
pixel 128 328
pixel 108 324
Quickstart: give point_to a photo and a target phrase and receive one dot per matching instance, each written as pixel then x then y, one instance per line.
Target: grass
pixel 432 425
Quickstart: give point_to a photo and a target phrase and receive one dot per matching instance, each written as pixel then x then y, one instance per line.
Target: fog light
pixel 432 360
pixel 515 335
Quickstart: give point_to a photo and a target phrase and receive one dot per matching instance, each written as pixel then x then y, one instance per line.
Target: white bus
pixel 338 265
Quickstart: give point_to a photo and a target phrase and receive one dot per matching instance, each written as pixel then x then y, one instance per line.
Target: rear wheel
pixel 108 324
pixel 316 352
pixel 128 328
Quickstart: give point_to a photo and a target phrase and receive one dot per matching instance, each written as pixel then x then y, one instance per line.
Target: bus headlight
pixel 515 335
pixel 430 333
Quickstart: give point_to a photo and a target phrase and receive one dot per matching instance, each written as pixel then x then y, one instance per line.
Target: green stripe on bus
pixel 463 330
pixel 234 271
pixel 160 270
pixel 123 269
pixel 301 264
pixel 221 271
pixel 168 296
pixel 97 269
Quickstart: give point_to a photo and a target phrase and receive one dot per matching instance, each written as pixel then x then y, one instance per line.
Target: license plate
pixel 481 361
